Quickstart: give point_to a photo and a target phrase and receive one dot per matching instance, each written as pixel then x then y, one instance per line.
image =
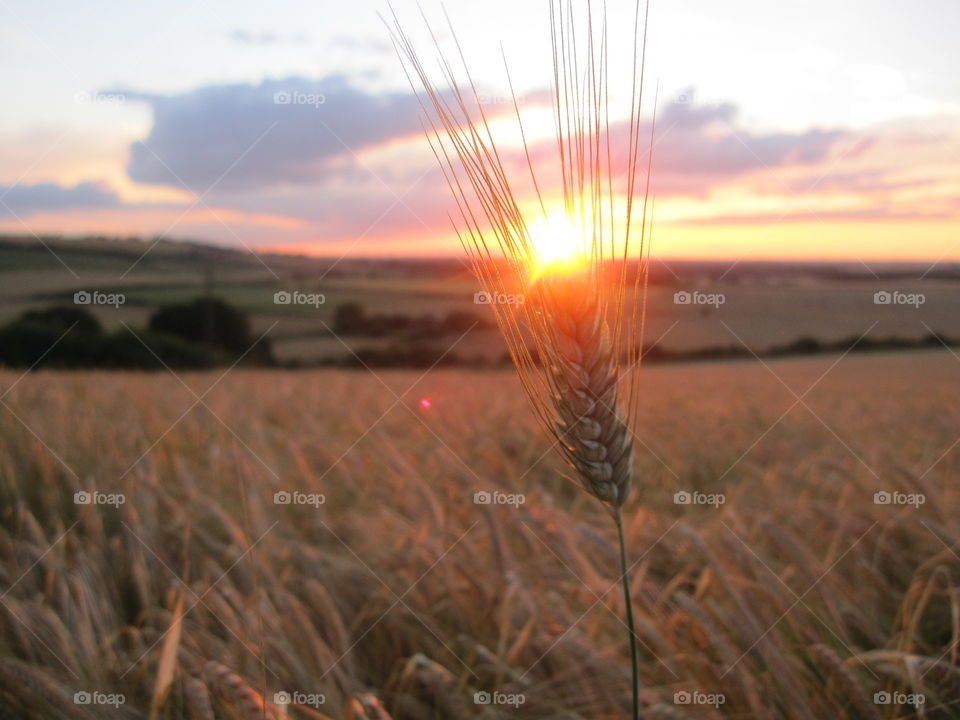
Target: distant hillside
pixel 409 303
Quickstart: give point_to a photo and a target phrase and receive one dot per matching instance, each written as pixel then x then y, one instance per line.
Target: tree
pixel 208 321
pixel 350 319
pixel 61 317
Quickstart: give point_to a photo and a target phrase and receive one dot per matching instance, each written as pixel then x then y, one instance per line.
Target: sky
pixel 789 130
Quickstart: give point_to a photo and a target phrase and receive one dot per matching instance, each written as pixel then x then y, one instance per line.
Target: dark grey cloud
pixel 277 132
pixel 23 199
pixel 294 131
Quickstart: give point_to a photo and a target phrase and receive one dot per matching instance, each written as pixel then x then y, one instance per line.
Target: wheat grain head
pixel 576 337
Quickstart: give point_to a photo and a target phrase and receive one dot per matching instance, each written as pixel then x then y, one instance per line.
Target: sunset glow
pixel 814 154
pixel 558 247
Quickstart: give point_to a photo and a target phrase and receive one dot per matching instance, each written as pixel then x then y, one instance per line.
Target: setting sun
pixel 558 246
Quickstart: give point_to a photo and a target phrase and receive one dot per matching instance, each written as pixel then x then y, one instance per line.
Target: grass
pixel 796 598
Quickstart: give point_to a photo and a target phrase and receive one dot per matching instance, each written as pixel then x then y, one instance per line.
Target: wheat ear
pixel 233 690
pixel 569 338
pixel 594 434
pixel 197 700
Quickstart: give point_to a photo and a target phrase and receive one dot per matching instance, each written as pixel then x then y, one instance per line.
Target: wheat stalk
pixel 576 340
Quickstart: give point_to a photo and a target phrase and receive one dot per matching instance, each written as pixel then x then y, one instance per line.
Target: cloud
pixel 263 39
pixel 347 164
pixel 23 199
pixel 239 137
pixel 706 140
pixel 365 45
pixel 699 148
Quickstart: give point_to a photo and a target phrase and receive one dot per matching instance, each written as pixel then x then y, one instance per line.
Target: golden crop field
pixel 402 545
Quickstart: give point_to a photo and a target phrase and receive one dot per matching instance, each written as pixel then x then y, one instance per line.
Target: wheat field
pixel 249 538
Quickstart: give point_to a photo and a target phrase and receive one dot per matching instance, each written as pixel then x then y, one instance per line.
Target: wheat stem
pixel 625 579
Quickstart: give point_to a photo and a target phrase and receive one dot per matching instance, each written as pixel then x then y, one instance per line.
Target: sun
pixel 557 247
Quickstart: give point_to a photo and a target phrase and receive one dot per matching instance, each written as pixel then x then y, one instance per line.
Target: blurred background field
pixel 766 305
pixel 797 597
